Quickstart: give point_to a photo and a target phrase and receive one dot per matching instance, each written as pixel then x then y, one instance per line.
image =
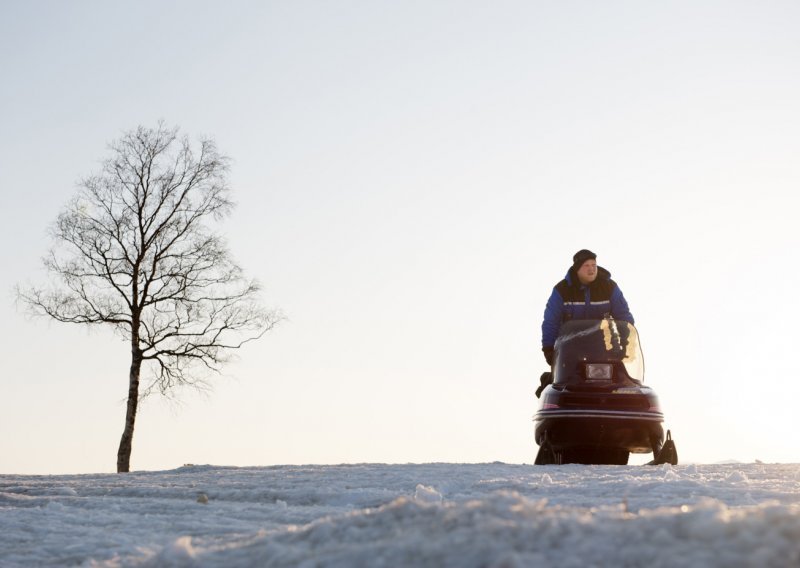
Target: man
pixel 587 292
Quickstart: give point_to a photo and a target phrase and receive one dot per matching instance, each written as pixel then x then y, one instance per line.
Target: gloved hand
pixel 548 355
pixel 544 380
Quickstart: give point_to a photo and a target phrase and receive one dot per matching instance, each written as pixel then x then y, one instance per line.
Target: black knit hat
pixel 582 256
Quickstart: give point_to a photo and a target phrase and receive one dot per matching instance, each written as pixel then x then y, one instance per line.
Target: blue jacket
pixel 572 300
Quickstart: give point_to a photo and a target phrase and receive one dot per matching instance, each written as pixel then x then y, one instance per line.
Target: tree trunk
pixel 126 443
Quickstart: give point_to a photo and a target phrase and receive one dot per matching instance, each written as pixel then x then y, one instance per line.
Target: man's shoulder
pixel 561 285
pixel 606 284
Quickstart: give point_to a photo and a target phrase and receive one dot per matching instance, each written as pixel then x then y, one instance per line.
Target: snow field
pixel 461 515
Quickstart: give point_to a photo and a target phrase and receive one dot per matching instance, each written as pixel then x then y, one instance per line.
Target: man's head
pixel 585 265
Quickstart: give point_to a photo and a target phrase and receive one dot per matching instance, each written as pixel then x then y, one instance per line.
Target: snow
pixel 498 515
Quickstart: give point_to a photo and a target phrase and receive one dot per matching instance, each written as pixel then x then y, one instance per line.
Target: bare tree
pixel 133 250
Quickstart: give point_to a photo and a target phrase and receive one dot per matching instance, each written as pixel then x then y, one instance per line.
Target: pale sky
pixel 412 179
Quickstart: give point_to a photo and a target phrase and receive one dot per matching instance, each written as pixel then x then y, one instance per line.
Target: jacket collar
pixel 572 277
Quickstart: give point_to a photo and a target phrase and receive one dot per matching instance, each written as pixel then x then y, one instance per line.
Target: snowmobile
pixel 594 407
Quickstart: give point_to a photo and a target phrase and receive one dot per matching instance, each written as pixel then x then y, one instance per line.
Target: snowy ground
pixel 407 515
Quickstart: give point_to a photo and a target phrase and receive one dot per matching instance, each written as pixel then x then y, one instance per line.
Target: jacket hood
pixel 572 277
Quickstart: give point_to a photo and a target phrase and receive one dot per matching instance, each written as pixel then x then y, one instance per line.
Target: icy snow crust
pixel 407 515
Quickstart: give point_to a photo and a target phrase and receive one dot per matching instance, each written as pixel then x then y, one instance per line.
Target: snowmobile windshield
pixel 585 347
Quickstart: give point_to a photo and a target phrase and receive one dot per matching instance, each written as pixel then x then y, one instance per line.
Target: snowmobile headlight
pixel 598 372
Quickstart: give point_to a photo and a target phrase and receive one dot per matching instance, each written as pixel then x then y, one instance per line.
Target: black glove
pixel 544 380
pixel 548 355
